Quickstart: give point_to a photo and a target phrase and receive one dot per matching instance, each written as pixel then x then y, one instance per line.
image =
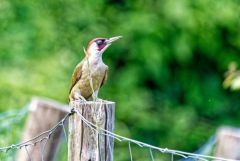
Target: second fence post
pixel 228 143
pixel 85 141
pixel 43 115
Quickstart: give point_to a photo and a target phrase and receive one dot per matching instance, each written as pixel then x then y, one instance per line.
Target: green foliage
pixel 165 74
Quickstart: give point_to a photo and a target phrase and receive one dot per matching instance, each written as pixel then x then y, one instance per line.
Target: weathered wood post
pixel 43 115
pixel 228 143
pixel 85 143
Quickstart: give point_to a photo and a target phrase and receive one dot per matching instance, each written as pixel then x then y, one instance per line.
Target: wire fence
pixel 12 117
pixel 42 140
pixel 10 121
pixel 10 129
pixel 150 147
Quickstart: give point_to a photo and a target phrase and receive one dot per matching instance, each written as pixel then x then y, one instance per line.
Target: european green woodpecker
pixel 91 73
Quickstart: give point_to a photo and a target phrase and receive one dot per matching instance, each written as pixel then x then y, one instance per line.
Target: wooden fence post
pixel 43 115
pixel 86 144
pixel 228 143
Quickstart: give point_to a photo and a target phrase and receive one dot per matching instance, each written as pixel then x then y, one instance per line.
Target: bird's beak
pixel 112 39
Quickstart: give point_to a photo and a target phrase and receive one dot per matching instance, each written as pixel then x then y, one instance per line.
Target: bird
pixel 91 73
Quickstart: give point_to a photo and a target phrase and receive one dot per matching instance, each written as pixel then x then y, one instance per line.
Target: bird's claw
pixel 99 100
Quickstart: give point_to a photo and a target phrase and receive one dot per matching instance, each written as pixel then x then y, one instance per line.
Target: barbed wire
pixel 44 136
pixel 37 139
pixel 11 124
pixel 11 117
pixel 142 144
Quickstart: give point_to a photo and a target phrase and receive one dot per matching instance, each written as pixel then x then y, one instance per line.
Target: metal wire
pixel 47 134
pixel 12 117
pixel 29 157
pixel 39 138
pixel 130 150
pixel 151 154
pixel 14 113
pixel 142 144
pixel 172 157
pixel 65 133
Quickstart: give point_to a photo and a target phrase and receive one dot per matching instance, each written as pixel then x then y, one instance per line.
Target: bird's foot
pixel 76 100
pixel 96 99
pixel 82 99
pixel 79 98
pixel 99 100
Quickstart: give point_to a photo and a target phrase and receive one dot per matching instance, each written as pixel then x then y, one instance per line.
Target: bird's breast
pixel 94 71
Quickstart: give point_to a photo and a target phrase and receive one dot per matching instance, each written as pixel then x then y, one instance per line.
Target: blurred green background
pixel 165 75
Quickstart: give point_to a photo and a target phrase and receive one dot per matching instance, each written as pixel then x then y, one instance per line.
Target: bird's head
pixel 97 46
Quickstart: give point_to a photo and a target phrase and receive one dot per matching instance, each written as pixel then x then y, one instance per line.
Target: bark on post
pixel 228 143
pixel 43 115
pixel 86 144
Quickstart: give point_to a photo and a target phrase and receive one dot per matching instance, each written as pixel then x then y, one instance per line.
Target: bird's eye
pixel 100 42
